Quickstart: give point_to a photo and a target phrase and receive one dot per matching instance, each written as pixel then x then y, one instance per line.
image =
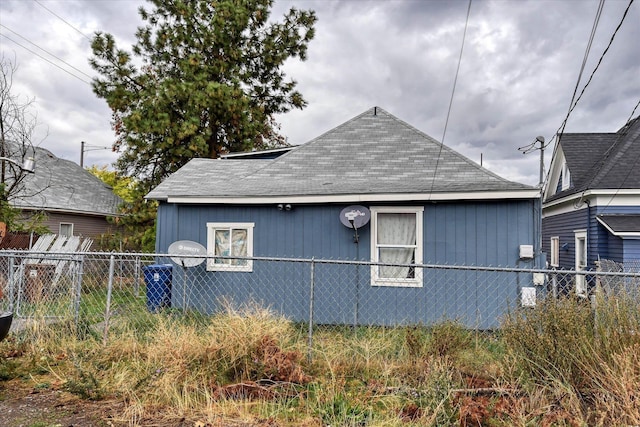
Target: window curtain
pixel 395 231
pixel 239 246
pixel 236 246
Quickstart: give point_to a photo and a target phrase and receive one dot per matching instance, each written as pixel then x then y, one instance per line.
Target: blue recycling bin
pixel 157 278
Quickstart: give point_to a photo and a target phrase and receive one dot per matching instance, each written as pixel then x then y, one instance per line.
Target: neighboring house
pixel 427 203
pixel 75 202
pixel 591 203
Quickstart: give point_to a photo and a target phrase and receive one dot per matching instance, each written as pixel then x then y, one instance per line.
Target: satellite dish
pixel 355 216
pixel 187 253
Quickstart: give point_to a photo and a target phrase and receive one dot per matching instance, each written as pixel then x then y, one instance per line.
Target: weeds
pixel 557 365
pixel 583 358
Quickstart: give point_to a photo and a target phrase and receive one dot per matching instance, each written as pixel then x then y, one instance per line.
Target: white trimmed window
pixel 65 229
pixel 229 240
pixel 555 251
pixel 396 238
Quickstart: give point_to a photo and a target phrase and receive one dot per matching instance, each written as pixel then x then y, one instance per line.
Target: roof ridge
pixel 449 149
pixel 282 158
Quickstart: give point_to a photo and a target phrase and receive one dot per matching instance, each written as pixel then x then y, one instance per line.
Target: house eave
pixel 597 197
pixel 621 234
pixel 357 198
pixel 69 211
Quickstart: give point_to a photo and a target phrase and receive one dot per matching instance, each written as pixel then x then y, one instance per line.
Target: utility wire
pixel 631 169
pixel 453 91
pixel 42 57
pixel 46 51
pixel 634 111
pixel 575 103
pixel 586 56
pixel 62 19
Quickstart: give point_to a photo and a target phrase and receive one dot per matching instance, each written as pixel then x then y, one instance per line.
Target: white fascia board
pixel 622 197
pixel 354 198
pixel 554 170
pixel 617 197
pixel 622 234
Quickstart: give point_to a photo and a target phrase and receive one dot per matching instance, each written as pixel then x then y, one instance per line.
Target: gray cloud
pixel 518 72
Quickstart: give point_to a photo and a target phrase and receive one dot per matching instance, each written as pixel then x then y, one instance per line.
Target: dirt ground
pixel 23 406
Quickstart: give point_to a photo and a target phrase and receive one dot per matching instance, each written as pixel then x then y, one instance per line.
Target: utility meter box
pixel 526 251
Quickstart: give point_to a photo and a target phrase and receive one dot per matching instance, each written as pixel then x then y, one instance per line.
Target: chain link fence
pixel 106 288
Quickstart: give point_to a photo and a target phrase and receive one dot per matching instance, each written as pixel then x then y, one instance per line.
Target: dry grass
pixel 558 365
pixel 581 362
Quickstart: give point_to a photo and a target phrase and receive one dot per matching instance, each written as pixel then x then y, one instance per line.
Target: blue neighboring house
pixel 428 205
pixel 591 203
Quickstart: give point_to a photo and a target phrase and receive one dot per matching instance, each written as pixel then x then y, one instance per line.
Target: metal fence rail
pixel 100 288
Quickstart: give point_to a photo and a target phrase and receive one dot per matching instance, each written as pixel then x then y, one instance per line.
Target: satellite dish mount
pixel 354 217
pixel 186 254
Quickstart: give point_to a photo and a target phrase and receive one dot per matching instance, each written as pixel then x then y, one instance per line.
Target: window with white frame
pixel 566 176
pixel 396 238
pixel 65 229
pixel 230 240
pixel 555 251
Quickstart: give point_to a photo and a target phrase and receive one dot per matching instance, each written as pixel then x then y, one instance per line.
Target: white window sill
pixel 397 283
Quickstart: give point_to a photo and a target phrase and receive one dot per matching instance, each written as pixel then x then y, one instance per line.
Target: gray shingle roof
pixel 622 223
pixel 373 153
pixel 64 186
pixel 602 160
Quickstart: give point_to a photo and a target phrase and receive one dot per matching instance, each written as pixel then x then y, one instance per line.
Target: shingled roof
pixel 372 154
pixel 603 161
pixel 63 186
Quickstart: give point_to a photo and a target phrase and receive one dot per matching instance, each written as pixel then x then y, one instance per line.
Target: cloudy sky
pixel 519 69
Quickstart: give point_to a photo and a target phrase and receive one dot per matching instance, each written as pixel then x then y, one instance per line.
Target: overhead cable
pixel 42 57
pixel 453 91
pixel 62 19
pixel 613 36
pixel 45 51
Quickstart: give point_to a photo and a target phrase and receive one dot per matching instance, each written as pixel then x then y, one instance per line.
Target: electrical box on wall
pixel 526 251
pixel 539 279
pixel 528 296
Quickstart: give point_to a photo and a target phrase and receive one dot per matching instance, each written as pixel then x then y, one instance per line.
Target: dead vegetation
pixel 248 367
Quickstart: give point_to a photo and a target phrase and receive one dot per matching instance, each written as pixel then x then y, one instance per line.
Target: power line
pixel 453 91
pixel 45 51
pixel 631 169
pixel 62 19
pixel 42 57
pixel 586 54
pixel 613 36
pixel 634 111
pixel 575 103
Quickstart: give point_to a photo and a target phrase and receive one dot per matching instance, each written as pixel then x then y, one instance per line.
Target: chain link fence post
pixel 311 293
pixel 11 282
pixel 78 290
pixel 107 311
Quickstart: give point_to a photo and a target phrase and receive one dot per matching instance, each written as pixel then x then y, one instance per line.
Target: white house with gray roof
pixel 426 204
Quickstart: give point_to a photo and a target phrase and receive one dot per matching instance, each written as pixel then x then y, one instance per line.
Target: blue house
pixel 591 203
pixel 427 204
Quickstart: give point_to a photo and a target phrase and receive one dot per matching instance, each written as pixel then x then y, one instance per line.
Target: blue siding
pixel 615 248
pixel 601 244
pixel 632 251
pixel 563 226
pixel 471 233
